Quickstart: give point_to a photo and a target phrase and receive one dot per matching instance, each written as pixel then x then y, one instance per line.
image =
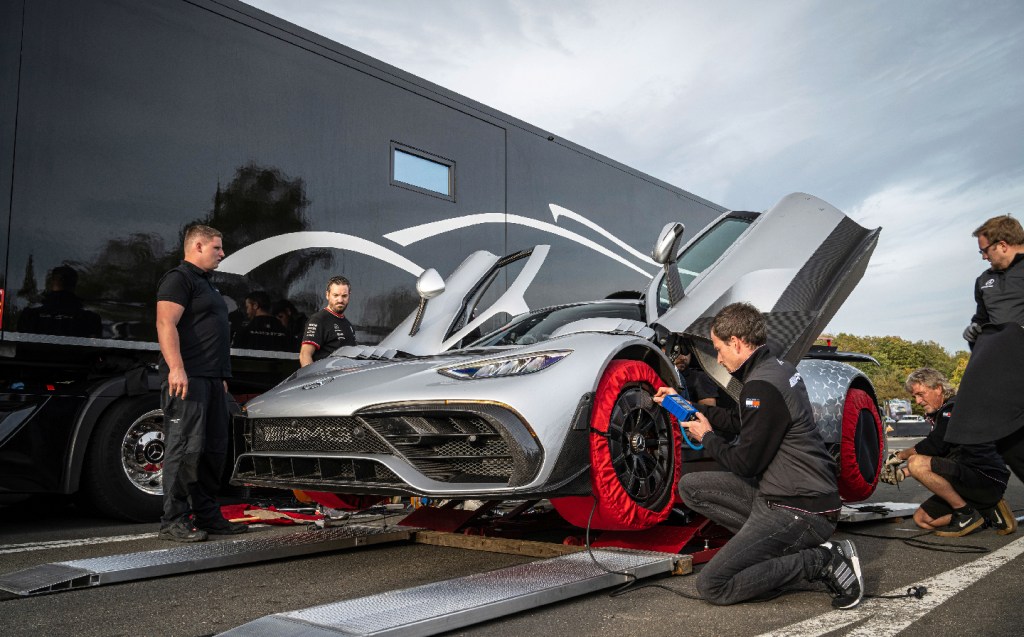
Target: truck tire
pixel 634 454
pixel 861 448
pixel 124 463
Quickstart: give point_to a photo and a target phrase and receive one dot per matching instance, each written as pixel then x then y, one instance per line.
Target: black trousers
pixel 196 432
pixel 1011 448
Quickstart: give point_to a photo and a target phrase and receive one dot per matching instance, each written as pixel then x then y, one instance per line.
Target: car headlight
pixel 505 366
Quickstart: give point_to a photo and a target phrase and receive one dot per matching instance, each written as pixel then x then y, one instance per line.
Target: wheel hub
pixel 143 451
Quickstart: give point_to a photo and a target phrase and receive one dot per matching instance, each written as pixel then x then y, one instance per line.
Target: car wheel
pixel 861 447
pixel 123 474
pixel 634 453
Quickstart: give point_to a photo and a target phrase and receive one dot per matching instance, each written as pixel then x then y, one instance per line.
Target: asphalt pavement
pixel 973 584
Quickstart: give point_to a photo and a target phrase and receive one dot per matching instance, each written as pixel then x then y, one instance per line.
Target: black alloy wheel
pixel 640 443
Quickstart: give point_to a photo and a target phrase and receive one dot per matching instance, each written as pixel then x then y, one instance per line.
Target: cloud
pixel 903 114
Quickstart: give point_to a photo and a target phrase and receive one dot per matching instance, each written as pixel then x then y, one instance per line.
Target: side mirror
pixel 667 245
pixel 429 284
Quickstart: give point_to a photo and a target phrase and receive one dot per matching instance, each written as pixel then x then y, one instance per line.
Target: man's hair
pixel 199 231
pixel 1001 228
pixel 338 280
pixel 63 277
pixel 930 378
pixel 259 298
pixel 742 320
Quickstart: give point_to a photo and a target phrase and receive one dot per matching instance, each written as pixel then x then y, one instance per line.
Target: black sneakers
pixel 182 531
pixel 220 526
pixel 1001 518
pixel 842 575
pixel 962 524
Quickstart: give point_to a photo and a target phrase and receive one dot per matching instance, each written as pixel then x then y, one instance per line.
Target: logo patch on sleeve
pixel 794 379
pixel 753 403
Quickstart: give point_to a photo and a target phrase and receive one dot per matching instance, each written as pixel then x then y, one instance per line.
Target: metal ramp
pixel 456 603
pixel 97 571
pixel 870 511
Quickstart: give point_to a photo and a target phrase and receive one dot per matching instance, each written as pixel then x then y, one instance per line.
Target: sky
pixel 904 114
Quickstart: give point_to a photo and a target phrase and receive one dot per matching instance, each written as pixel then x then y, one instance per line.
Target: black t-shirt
pixel 264 332
pixel 203 331
pixel 327 331
pixel 698 385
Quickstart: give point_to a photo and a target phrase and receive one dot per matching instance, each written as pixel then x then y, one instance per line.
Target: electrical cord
pixel 632 576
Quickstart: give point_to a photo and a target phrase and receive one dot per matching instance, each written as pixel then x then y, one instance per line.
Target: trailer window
pixel 423 172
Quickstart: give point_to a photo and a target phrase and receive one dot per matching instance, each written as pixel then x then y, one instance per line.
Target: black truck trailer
pixel 122 122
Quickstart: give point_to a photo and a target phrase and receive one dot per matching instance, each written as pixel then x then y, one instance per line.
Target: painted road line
pixel 62 544
pixel 885 617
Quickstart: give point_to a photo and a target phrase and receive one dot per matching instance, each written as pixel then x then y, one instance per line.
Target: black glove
pixel 972 332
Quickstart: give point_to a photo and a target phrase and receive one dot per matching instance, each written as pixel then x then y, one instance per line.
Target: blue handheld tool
pixel 683 410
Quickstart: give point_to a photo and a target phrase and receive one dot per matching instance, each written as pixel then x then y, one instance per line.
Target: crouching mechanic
pixel 968 480
pixel 778 494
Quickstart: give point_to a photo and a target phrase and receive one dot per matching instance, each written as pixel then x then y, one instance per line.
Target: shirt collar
pixel 195 269
pixel 755 357
pixel 327 309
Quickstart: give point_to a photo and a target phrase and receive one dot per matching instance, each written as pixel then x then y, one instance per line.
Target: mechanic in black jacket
pixel 968 480
pixel 990 407
pixel 778 494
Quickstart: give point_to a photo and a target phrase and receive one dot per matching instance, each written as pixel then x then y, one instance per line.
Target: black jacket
pixel 1000 295
pixel 777 442
pixel 983 458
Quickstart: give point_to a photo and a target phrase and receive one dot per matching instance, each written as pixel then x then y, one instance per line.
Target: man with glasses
pixel 990 407
pixel 999 291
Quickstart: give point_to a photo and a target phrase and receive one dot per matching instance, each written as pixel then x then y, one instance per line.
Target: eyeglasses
pixel 984 251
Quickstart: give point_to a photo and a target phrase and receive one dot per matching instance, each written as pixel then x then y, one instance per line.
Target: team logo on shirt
pixel 947 414
pixel 794 379
pixel 753 403
pixel 988 284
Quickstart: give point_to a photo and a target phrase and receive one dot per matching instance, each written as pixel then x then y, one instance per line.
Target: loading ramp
pixel 97 571
pixel 447 605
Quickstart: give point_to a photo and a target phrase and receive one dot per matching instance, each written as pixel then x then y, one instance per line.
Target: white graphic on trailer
pixel 418 233
pixel 558 211
pixel 252 256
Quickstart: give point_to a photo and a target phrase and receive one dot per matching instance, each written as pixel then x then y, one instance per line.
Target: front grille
pixel 306 471
pixel 451 447
pixel 349 435
pixel 456 444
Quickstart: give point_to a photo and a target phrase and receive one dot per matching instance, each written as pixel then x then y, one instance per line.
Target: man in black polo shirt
pixel 328 329
pixel 195 341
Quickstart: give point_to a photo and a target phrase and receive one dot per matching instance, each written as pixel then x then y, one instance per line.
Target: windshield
pixel 702 253
pixel 538 326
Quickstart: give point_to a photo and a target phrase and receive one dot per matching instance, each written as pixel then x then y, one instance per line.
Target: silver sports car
pixel 557 403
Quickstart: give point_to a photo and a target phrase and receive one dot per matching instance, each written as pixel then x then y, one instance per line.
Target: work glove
pixel 891 474
pixel 894 459
pixel 972 332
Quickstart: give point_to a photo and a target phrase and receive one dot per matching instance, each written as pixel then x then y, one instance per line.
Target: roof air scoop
pixel 666 252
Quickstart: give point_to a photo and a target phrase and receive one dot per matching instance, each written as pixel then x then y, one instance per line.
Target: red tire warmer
pixel 616 510
pixel 852 485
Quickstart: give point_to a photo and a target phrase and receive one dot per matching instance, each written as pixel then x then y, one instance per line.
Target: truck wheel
pixel 124 468
pixel 634 453
pixel 861 448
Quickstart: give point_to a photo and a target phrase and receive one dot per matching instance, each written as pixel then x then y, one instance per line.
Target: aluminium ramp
pixel 464 601
pixel 97 571
pixel 871 511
